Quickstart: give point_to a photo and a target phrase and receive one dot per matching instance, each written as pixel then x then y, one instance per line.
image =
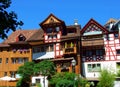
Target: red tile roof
pixel 14 35
pixel 4 45
pixel 38 35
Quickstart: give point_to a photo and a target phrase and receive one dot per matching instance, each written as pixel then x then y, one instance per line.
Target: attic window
pixel 21 37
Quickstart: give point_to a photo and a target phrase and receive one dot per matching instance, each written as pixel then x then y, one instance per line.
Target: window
pixel 100 52
pixel 12 74
pixel 88 53
pixel 94 67
pixel 116 35
pixel 57 29
pixel 36 49
pixel 25 60
pixel 5 73
pixel 118 51
pixel 51 48
pixel 71 31
pixel 14 60
pixel 37 80
pixel 20 60
pixel 49 30
pixel 21 37
pixel 42 49
pixel 7 60
pixel 0 60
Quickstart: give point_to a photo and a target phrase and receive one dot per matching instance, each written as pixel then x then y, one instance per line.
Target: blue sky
pixel 33 12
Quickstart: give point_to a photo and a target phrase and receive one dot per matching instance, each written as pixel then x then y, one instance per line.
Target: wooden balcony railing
pixel 92 42
pixel 70 50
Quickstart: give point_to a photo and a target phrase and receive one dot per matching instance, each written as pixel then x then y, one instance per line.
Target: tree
pixel 106 79
pixel 45 67
pixel 8 20
pixel 26 71
pixel 29 69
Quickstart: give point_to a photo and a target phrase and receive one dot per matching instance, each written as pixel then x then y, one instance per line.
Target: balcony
pixel 69 50
pixel 93 42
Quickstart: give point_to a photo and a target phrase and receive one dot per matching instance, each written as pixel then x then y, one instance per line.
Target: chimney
pixel 75 22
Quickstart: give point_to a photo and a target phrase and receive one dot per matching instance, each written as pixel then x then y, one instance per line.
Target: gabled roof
pixel 111 20
pixel 92 21
pixel 50 19
pixel 14 35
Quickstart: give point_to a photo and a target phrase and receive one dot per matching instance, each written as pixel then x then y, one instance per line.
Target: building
pixel 54 41
pixel 93 47
pixel 100 47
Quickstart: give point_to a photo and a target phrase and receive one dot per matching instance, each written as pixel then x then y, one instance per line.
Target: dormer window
pixel 21 37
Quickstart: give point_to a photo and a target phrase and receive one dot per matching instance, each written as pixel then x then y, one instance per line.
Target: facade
pixel 100 48
pixel 93 47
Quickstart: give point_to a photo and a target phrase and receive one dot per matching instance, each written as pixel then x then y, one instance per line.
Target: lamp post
pixel 73 65
pixel 73 62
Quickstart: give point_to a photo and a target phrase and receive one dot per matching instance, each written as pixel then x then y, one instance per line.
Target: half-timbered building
pixel 92 48
pixel 100 48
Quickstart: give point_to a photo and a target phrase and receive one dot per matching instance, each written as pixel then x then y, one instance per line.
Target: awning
pixel 43 55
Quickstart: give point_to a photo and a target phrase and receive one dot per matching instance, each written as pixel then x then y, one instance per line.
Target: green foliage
pixel 29 69
pixel 106 79
pixel 26 71
pixel 82 82
pixel 45 67
pixel 63 79
pixel 8 20
pixel 118 73
pixel 87 85
pixel 38 85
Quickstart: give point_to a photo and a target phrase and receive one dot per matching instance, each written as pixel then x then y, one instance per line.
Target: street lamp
pixel 73 65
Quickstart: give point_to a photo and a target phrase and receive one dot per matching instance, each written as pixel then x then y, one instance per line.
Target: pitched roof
pixel 51 16
pixel 92 21
pixel 38 35
pixel 14 35
pixel 4 45
pixel 111 20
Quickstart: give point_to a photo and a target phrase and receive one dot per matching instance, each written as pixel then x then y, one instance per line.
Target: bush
pixel 106 79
